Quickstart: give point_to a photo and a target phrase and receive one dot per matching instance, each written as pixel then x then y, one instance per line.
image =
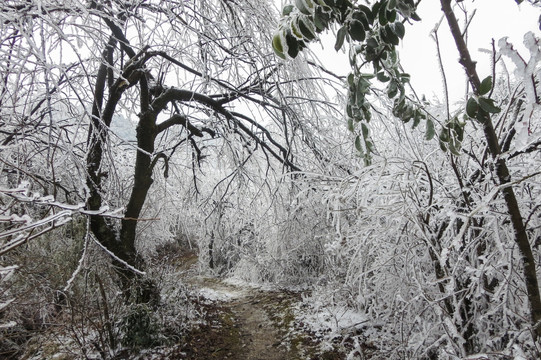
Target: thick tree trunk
pixel 121 244
pixel 146 135
pixel 97 138
pixel 502 172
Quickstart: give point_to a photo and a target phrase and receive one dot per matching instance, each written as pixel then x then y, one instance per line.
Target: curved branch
pixel 166 163
pixel 180 120
pixel 174 94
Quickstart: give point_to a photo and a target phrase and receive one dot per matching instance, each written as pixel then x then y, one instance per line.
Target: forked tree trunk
pixel 122 243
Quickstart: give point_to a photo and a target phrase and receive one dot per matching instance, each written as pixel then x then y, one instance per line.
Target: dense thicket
pixel 134 133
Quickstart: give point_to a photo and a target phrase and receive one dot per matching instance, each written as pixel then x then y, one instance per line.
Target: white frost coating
pixel 21 194
pixel 524 72
pixel 329 321
pixel 5 304
pixel 55 217
pixel 220 294
pixel 137 271
pixel 81 261
pixel 6 273
pixel 518 354
pixel 8 325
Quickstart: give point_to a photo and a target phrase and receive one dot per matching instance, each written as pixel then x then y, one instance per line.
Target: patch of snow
pixel 330 321
pixel 241 283
pixel 222 294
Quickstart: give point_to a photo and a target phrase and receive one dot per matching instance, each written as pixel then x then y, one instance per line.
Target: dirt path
pixel 260 338
pixel 243 323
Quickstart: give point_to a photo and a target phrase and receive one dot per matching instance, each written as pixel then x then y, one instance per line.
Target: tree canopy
pixel 139 137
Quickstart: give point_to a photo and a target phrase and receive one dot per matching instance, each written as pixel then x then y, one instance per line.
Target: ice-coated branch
pixel 504 177
pixel 116 258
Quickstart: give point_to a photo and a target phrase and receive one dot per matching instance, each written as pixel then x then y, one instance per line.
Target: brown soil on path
pixel 251 325
pixel 260 339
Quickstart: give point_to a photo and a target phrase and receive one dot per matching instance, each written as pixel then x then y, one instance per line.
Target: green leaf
pixel 458 129
pixel 471 107
pixel 349 110
pixel 350 124
pixel 287 10
pixel 415 17
pixel 430 130
pixel 325 5
pixel 392 89
pixel 402 90
pixel 369 15
pixel 486 85
pixel 391 16
pixel 359 93
pixel 361 16
pixel 398 108
pixel 454 147
pixel 293 45
pixel 407 114
pixel 443 147
pixel 365 131
pixel 444 134
pixel 416 119
pixel 366 112
pixel 294 27
pixel 340 36
pixel 391 4
pixel 383 15
pixel 369 146
pixel 399 29
pixel 351 80
pixel 367 76
pixel 488 105
pixel 306 28
pixel 364 83
pixel 356 30
pixel 372 43
pixel 277 45
pixel 321 19
pixel 405 78
pixel 388 36
pixel 382 77
pixel 405 8
pixel 482 116
pixel 393 57
pixel 358 145
pixel 375 9
pixel 303 7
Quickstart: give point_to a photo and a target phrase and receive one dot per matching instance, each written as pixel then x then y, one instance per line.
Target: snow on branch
pixel 525 72
pixel 22 227
pixel 5 274
pixel 130 267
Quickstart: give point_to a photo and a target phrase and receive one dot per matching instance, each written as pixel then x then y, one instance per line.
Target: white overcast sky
pixel 493 19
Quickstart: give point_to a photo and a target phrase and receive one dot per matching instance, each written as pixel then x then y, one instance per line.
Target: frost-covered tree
pixel 492 175
pixel 190 78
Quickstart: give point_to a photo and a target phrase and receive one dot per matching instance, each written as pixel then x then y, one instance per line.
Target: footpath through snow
pixel 247 323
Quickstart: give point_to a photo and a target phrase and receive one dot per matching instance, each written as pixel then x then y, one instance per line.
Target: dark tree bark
pixel 153 101
pixel 502 172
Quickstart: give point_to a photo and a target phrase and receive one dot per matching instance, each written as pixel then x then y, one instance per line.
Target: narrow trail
pixel 260 339
pixel 244 323
pixel 241 323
